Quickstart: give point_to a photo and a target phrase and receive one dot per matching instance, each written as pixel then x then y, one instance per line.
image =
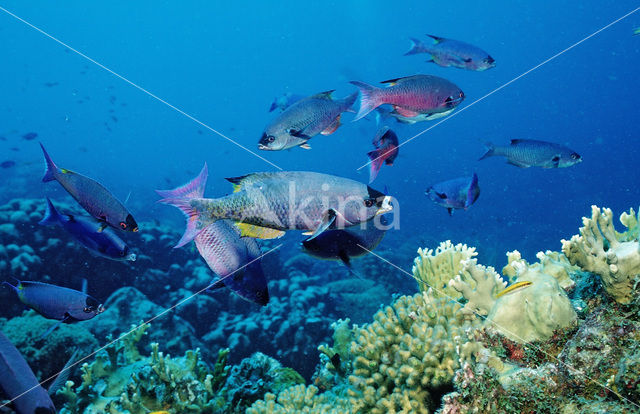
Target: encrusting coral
pixel 611 255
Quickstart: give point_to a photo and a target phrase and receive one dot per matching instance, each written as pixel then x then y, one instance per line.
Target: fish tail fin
pixel 181 197
pixel 374 165
pixel 369 99
pixel 416 47
pixel 490 151
pixel 349 101
pixel 471 194
pixel 50 166
pixel 51 215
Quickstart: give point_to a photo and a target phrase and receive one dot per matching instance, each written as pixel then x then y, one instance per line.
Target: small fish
pixel 91 195
pixel 16 149
pixel 30 136
pixel 317 114
pixel 347 243
pixel 90 233
pixel 459 193
pixel 57 302
pixel 514 287
pixel 449 52
pixel 525 153
pixel 51 84
pixel 8 164
pixel 264 205
pixel 19 383
pixel 411 96
pixel 336 361
pixel 386 143
pixel 284 101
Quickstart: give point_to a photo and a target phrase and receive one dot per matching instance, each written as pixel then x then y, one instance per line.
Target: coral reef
pixel 601 250
pixel 434 269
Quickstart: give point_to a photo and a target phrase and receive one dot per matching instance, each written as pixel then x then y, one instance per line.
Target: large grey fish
pixel 414 98
pixel 449 52
pixel 264 205
pixel 525 153
pixel 91 195
pixel 20 384
pixel 303 120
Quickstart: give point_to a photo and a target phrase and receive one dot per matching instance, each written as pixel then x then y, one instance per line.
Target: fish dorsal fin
pixel 323 95
pixel 258 232
pixel 238 182
pixel 516 141
pixel 437 39
pixel 392 82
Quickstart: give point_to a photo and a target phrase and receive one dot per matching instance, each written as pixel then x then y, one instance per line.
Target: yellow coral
pixel 599 250
pixel 433 270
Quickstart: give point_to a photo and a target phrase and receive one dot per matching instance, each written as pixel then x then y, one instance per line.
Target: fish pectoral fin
pixel 517 164
pixel 258 232
pixel 305 146
pixel 299 133
pixel 556 161
pixel 405 112
pixel 441 195
pixel 333 127
pixel 344 257
pixel 450 211
pixel 328 219
pixel 103 226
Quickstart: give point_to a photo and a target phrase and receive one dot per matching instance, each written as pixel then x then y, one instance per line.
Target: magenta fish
pixel 386 143
pixel 423 97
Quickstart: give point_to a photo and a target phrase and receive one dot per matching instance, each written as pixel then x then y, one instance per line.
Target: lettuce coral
pixel 612 256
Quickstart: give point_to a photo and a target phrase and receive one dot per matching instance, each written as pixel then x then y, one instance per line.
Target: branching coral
pixel 551 263
pixel 304 400
pixel 479 285
pixel 598 250
pixel 433 270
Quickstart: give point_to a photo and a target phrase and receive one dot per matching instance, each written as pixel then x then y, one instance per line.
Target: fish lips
pixel 385 206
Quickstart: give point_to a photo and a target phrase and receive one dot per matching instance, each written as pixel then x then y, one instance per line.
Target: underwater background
pixel 223 64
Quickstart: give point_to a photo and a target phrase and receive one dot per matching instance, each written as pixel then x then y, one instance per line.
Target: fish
pixel 91 195
pixel 411 96
pixel 264 205
pixel 89 232
pixel 636 31
pixel 525 153
pixel 57 302
pixel 458 193
pixel 317 114
pixel 386 143
pixel 345 244
pixel 8 164
pixel 514 287
pixel 19 383
pixel 449 52
pixel 30 136
pixel 235 260
pixel 284 101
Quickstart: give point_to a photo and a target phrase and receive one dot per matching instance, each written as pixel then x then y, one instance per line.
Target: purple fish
pixel 91 195
pixel 449 52
pixel 422 97
pixel 232 257
pixel 345 244
pixel 459 193
pixel 20 384
pixel 386 143
pixel 90 233
pixel 56 302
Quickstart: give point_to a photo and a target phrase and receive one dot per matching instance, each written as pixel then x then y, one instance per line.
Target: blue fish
pixel 57 302
pixel 449 52
pixel 90 233
pixel 20 384
pixel 284 101
pixel 347 243
pixel 459 193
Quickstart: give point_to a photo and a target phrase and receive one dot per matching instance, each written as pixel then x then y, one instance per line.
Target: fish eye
pixel 270 138
pixel 88 309
pixel 123 225
pixel 368 202
pixel 575 156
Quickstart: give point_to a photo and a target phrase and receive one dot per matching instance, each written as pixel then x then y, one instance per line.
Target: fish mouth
pixel 386 206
